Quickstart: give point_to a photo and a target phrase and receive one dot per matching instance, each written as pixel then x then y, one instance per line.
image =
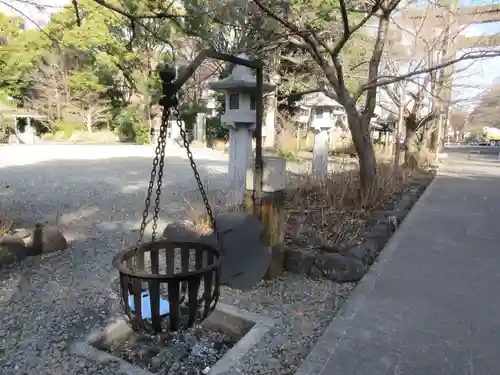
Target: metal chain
pixel 170 102
pixel 162 140
pixel 158 160
pixel 201 188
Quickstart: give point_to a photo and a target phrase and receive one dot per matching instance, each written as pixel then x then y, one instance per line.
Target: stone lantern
pixel 324 113
pixel 240 90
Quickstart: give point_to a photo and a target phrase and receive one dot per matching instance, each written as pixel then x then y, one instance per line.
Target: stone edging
pixel 351 265
pixel 23 243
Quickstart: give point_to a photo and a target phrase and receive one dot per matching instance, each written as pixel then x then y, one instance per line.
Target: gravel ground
pixel 46 304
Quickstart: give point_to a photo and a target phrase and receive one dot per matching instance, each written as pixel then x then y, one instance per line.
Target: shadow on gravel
pixel 98 204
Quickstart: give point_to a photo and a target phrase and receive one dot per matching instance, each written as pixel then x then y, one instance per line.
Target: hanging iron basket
pixel 168 286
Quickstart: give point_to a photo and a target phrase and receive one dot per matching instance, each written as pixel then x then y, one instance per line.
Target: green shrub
pixel 66 129
pixel 124 124
pixel 141 134
pixel 288 154
pixel 287 145
pixel 48 137
pixel 216 132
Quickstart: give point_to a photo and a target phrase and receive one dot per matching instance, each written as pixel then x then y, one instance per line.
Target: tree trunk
pixel 360 131
pixel 426 137
pixel 411 148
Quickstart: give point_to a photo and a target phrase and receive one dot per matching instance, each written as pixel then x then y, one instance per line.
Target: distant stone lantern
pixel 324 115
pixel 240 90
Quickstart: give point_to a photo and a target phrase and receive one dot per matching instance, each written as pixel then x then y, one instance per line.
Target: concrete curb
pixel 317 359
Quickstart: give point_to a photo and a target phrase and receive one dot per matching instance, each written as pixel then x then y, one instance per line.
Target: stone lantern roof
pixel 319 99
pixel 240 79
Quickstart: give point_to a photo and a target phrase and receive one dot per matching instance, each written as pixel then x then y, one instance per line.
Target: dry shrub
pixel 220 202
pixel 381 153
pixel 287 145
pixel 421 159
pixel 220 145
pixel 104 136
pixel 197 144
pixel 329 214
pixel 346 148
pixel 5 226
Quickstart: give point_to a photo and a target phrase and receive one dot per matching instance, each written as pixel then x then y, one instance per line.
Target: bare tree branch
pixel 386 79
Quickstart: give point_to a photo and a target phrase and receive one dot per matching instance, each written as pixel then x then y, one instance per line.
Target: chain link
pixel 162 140
pixel 157 174
pixel 157 161
pixel 197 177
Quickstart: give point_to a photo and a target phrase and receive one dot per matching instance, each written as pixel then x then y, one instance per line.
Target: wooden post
pixel 273 211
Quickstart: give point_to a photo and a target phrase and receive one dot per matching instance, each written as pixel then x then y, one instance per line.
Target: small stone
pixel 372 249
pixel 316 273
pixel 46 239
pixel 359 252
pixel 299 260
pixel 157 362
pixel 380 233
pixel 22 232
pixel 393 222
pixel 340 268
pixel 180 232
pixel 146 351
pixel 12 249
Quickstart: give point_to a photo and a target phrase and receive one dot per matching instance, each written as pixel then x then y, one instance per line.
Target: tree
pixel 300 26
pixel 485 113
pixel 20 52
pixel 458 117
pixel 416 100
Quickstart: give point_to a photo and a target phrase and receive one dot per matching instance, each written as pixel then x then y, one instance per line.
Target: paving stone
pixel 430 304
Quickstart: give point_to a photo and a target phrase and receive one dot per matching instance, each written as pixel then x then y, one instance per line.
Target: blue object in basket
pixel 146 305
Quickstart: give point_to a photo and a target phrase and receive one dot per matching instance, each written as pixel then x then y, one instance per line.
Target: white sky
pixel 39 15
pixel 479 74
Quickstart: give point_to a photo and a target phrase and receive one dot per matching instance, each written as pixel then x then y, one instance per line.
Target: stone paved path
pixel 431 305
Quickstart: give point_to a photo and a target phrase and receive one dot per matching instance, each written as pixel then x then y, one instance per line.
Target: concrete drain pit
pixel 212 348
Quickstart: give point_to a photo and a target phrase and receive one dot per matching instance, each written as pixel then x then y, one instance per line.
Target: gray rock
pixel 315 272
pixel 176 231
pixel 393 221
pixel 380 233
pixel 12 249
pixel 359 252
pixel 340 268
pixel 22 232
pixel 405 203
pixel 46 239
pixel 372 250
pixel 299 260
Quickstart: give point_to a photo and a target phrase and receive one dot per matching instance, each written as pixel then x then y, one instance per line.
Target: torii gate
pixel 451 11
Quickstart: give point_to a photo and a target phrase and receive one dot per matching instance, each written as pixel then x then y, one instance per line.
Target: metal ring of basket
pixel 131 282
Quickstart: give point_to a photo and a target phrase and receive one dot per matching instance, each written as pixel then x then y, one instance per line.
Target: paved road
pixel 483 150
pixel 431 304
